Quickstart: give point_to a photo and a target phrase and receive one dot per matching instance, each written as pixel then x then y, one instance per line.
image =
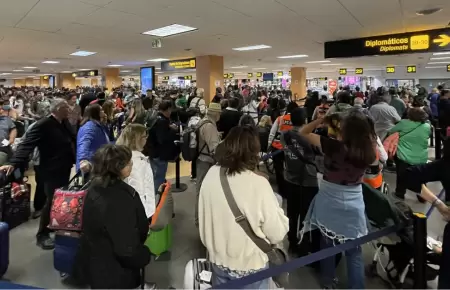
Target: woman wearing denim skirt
pixel 338 209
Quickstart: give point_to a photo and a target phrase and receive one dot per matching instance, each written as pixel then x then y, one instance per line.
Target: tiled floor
pixel 31 266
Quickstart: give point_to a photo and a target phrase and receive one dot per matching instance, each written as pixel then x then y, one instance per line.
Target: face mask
pixel 6 107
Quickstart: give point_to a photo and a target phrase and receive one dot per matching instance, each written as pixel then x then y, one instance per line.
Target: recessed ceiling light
pixel 157 68
pixel 50 61
pixel 17 70
pixel 83 53
pixel 441 53
pixel 82 69
pixel 260 68
pixel 124 71
pixel 158 59
pixel 115 65
pixel 294 56
pixel 169 30
pixel 438 58
pixel 428 11
pixel 4 74
pixel 241 66
pixel 438 62
pixel 29 67
pixel 66 72
pixel 435 66
pixel 30 76
pixel 330 64
pixel 318 61
pixel 253 47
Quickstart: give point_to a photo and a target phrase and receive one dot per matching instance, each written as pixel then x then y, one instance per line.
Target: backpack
pixel 150 118
pixel 190 141
pixel 193 111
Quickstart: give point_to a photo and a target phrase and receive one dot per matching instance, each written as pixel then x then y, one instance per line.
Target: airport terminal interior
pixel 257 51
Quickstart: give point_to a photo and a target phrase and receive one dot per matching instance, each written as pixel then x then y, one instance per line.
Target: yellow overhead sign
pixel 411 69
pixel 188 77
pixel 250 75
pixel 259 74
pixel 178 64
pixel 231 75
pixel 442 40
pixel 448 68
pixel 166 78
pixel 390 69
pixel 343 71
pixel 359 71
pixel 280 73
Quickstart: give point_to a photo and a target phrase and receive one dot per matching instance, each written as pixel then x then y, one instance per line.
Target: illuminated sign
pixel 178 64
pixel 411 69
pixel 390 69
pixel 323 79
pixel 342 71
pixel 289 72
pixel 166 78
pixel 359 71
pixel 259 74
pixel 280 73
pixel 230 75
pixel 225 76
pixel 188 77
pixel 250 75
pixel 420 41
pixel 46 77
pixel 448 68
pixel 81 74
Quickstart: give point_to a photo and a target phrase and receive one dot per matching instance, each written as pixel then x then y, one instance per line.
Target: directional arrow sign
pixel 443 40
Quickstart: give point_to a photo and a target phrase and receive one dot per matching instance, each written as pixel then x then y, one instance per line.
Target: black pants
pixel 444 277
pixel 39 194
pixel 438 170
pixel 298 200
pixel 278 166
pixel 51 183
pixel 401 183
pixel 194 168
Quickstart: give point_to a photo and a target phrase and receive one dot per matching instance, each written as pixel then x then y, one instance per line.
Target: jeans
pixel 159 168
pixel 219 277
pixel 355 266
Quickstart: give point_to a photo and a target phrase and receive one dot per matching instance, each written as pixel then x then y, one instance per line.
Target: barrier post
pixel 437 143
pixel 179 187
pixel 432 136
pixel 420 250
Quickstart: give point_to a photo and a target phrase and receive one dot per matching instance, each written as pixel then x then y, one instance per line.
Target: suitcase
pixel 4 248
pixel 159 242
pixel 195 270
pixel 66 247
pixel 14 211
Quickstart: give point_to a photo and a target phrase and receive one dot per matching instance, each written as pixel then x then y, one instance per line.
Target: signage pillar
pixel 44 81
pixel 156 81
pixel 19 83
pixel 298 82
pixel 209 74
pixel 112 78
pixel 65 80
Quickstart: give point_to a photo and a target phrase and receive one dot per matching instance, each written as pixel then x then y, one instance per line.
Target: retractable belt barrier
pixel 270 155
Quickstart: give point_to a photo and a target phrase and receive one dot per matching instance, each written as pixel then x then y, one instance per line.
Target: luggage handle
pixel 78 175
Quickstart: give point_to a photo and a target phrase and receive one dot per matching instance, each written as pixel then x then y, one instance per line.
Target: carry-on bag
pixel 4 248
pixel 15 202
pixel 66 247
pixel 197 274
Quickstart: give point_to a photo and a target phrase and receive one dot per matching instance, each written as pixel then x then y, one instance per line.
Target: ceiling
pixel 32 31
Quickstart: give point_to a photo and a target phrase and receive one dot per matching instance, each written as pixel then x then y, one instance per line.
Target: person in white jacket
pixel 134 136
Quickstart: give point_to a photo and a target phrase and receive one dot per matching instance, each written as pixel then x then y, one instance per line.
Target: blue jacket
pixel 91 137
pixel 434 103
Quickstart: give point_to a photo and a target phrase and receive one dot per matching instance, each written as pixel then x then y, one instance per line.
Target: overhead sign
pixel 171 65
pixel 230 75
pixel 259 74
pixel 280 73
pixel 250 75
pixel 156 43
pixel 323 79
pixel 188 77
pixel 359 71
pixel 411 69
pixel 166 78
pixel 448 68
pixel 390 69
pixel 81 74
pixel 289 72
pixel 343 71
pixel 225 76
pixel 412 42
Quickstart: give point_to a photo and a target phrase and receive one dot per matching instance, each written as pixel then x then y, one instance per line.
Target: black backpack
pixel 150 118
pixel 190 141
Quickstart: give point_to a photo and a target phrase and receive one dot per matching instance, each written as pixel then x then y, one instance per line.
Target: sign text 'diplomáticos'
pixel 178 64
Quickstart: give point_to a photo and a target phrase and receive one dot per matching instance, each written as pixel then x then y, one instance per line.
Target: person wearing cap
pixel 208 139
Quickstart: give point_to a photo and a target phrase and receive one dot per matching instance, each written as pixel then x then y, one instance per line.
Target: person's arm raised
pixel 307 132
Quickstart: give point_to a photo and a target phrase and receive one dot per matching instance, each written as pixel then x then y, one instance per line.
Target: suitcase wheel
pixel 63 275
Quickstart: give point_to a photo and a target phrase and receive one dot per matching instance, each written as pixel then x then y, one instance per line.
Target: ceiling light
pixel 83 53
pixel 253 47
pixel 241 66
pixel 66 72
pixel 115 65
pixel 29 67
pixel 50 61
pixel 83 69
pixel 17 70
pixel 428 11
pixel 157 68
pixel 4 74
pixel 435 66
pixel 438 62
pixel 441 53
pixel 30 76
pixel 294 56
pixel 438 58
pixel 158 59
pixel 169 30
pixel 124 71
pixel 330 64
pixel 318 61
pixel 260 68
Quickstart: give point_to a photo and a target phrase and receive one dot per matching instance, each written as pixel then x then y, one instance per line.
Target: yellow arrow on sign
pixel 443 40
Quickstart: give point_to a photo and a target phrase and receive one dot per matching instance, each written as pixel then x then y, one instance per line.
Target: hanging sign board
pixel 448 68
pixel 250 75
pixel 411 69
pixel 359 71
pixel 230 75
pixel 166 78
pixel 280 73
pixel 259 74
pixel 412 42
pixel 343 71
pixel 178 64
pixel 390 69
pixel 80 74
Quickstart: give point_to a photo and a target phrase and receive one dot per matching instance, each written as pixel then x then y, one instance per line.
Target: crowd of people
pixel 122 141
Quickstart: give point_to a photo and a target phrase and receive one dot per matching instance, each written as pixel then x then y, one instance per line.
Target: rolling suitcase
pixel 15 208
pixel 4 248
pixel 66 246
pixel 197 274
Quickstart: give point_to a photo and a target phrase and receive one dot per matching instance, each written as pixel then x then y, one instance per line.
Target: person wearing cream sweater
pixel 232 253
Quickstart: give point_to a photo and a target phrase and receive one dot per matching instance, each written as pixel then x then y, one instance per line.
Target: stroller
pixel 399 247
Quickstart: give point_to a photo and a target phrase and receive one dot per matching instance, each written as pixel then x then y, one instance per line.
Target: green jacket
pixel 413 142
pixel 399 105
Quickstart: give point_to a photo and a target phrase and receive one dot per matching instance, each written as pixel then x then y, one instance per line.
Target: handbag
pixel 390 144
pixel 67 206
pixel 276 255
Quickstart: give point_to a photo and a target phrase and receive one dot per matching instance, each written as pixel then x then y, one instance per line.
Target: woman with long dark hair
pixel 338 209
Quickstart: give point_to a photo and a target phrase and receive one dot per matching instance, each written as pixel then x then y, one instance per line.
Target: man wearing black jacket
pixel 55 141
pixel 229 118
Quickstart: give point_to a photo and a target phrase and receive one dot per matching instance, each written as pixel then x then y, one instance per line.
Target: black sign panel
pixel 390 69
pixel 411 69
pixel 166 78
pixel 85 73
pixel 343 71
pixel 359 71
pixel 401 43
pixel 178 64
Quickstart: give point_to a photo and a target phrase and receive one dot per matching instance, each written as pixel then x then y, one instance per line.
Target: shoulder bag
pixel 276 255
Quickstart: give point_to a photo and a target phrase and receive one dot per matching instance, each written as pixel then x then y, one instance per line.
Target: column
pixel 65 80
pixel 44 81
pixel 78 82
pixel 112 78
pixel 37 82
pixel 209 73
pixel 298 82
pixel 156 81
pixel 19 83
pixel 94 82
pixel 29 82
